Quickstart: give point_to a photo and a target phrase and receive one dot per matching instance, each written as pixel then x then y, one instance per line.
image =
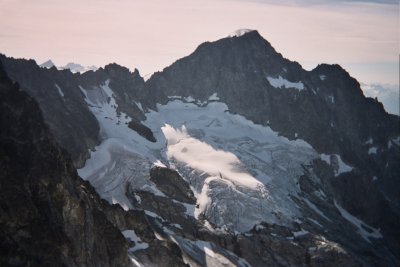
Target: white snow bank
pixel 281 82
pixel 123 156
pixel 240 172
pixel 204 158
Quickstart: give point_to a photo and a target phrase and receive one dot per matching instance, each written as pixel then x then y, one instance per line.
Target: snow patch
pixel 281 82
pixel 315 222
pixel 300 233
pixel 48 64
pixel 372 150
pixel 239 32
pixel 158 163
pixel 213 97
pixel 322 77
pixel 60 92
pixel 204 158
pixel 139 244
pixel 396 141
pixel 189 99
pixel 363 229
pixel 314 208
pixel 78 68
pixel 139 105
pixel 341 168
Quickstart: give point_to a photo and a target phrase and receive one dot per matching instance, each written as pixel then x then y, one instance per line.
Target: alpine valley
pixel 231 156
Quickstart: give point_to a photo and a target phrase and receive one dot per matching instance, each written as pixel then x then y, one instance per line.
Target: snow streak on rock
pixel 281 82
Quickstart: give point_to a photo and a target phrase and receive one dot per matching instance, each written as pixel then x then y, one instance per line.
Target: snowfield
pixel 241 173
pixel 281 82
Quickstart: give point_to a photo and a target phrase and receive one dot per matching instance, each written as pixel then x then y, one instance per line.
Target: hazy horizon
pixel 360 35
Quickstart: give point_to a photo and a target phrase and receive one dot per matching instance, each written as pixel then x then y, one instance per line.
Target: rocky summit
pixel 231 156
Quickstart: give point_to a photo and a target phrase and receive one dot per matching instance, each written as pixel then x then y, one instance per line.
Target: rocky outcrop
pixel 59 95
pixel 127 87
pixel 48 218
pixel 61 102
pixel 271 245
pixel 172 184
pixel 142 130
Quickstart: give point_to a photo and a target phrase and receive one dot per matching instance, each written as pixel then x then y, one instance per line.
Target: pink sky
pixel 150 35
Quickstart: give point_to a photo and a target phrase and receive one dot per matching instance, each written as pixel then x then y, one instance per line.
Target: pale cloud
pixel 386 93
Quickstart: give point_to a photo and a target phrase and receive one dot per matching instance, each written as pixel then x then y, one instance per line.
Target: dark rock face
pixel 48 215
pixel 62 104
pixel 142 130
pixel 172 184
pixel 127 87
pixel 271 245
pixel 48 218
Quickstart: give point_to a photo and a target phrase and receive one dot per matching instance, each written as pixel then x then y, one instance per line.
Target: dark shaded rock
pixel 172 184
pixel 165 253
pixel 61 101
pixel 127 87
pixel 48 216
pixel 142 130
pixel 171 211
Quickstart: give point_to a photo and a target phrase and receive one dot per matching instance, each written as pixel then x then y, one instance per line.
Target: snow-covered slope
pixel 73 67
pixel 48 64
pixel 241 173
pixel 78 68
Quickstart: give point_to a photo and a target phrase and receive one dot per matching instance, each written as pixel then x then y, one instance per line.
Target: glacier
pixel 241 173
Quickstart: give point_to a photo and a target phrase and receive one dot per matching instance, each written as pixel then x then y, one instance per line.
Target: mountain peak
pixel 48 64
pixel 74 67
pixel 240 32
